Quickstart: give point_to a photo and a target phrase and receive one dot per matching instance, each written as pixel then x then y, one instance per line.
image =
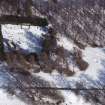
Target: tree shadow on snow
pixel 33 43
pixel 25 88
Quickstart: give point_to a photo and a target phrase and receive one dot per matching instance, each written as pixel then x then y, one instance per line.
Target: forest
pixel 52 52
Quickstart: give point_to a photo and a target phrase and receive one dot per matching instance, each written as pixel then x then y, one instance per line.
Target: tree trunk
pixel 28 10
pixel 1 45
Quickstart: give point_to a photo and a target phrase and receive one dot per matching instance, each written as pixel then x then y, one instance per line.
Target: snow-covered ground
pixel 26 37
pixel 6 99
pixel 93 77
pixel 29 39
pixel 94 56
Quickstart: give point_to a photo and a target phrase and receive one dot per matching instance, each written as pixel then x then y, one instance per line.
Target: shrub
pixel 68 72
pixel 81 64
pixel 78 59
pixel 80 45
pixel 49 43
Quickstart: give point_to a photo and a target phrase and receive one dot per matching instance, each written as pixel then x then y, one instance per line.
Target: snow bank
pixel 72 99
pixel 66 43
pixel 95 57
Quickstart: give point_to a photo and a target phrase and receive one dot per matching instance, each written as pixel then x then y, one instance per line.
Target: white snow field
pixel 26 37
pixel 6 99
pixel 94 56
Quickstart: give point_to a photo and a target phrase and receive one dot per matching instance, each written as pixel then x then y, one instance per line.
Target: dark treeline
pixel 81 20
pixel 16 7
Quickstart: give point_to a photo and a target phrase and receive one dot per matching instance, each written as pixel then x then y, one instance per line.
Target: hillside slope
pixel 92 77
